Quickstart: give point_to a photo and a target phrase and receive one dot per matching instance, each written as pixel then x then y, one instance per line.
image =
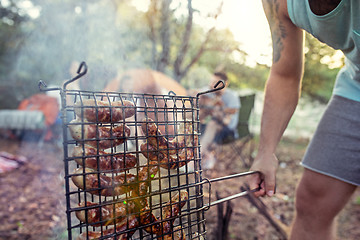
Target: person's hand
pixel 217 112
pixel 267 165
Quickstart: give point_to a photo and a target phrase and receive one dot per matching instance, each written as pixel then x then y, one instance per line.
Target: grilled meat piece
pixel 129 223
pixel 155 137
pixel 100 184
pixel 114 185
pixel 157 148
pixel 104 111
pixel 95 159
pixel 166 161
pixel 163 227
pixel 107 214
pixel 98 136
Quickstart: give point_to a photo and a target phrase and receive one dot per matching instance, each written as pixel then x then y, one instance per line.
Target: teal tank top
pixel 340 29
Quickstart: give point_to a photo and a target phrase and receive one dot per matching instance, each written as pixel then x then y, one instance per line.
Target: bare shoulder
pixel 277 8
pixel 277 13
pixel 282 29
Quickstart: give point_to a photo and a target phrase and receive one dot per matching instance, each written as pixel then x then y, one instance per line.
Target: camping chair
pixel 244 134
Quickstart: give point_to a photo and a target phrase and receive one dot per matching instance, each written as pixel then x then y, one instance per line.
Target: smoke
pixel 64 32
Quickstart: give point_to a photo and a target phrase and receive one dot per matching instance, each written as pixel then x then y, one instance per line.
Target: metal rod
pixel 82 70
pixel 207 206
pixel 171 93
pixel 216 88
pixel 233 197
pixel 43 87
pixel 232 176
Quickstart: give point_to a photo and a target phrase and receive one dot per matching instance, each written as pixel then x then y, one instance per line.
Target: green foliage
pixel 319 77
pixel 67 31
pixel 197 78
pixel 110 39
pixel 248 77
pixel 11 40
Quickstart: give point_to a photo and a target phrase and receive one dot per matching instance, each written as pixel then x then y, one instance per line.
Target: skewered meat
pixel 118 162
pixel 104 111
pixel 101 184
pixel 93 134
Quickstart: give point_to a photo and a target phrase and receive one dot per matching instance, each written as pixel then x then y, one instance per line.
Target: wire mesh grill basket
pixel 132 165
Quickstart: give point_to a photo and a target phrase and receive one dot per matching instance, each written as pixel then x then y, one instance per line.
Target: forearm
pixel 281 93
pixel 281 97
pixel 226 115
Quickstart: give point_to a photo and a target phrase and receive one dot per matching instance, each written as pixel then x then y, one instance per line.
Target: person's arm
pixel 224 115
pixel 229 107
pixel 282 92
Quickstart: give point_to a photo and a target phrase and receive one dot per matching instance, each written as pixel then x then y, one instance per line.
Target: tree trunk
pixel 165 36
pixel 184 44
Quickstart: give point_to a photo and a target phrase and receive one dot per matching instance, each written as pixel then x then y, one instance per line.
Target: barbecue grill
pixel 132 165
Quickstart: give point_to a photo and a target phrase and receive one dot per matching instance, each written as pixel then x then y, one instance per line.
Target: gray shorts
pixel 335 147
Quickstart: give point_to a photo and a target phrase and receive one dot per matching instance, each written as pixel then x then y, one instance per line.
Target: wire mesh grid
pixel 132 166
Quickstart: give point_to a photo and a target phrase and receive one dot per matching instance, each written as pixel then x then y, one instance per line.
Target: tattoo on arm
pixel 278 30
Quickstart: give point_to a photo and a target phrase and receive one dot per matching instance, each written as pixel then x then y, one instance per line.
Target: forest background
pixel 40 39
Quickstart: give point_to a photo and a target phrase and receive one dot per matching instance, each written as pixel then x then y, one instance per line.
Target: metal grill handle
pixel 216 88
pixel 241 194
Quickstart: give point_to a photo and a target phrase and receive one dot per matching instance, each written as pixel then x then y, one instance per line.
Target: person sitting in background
pixel 219 113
